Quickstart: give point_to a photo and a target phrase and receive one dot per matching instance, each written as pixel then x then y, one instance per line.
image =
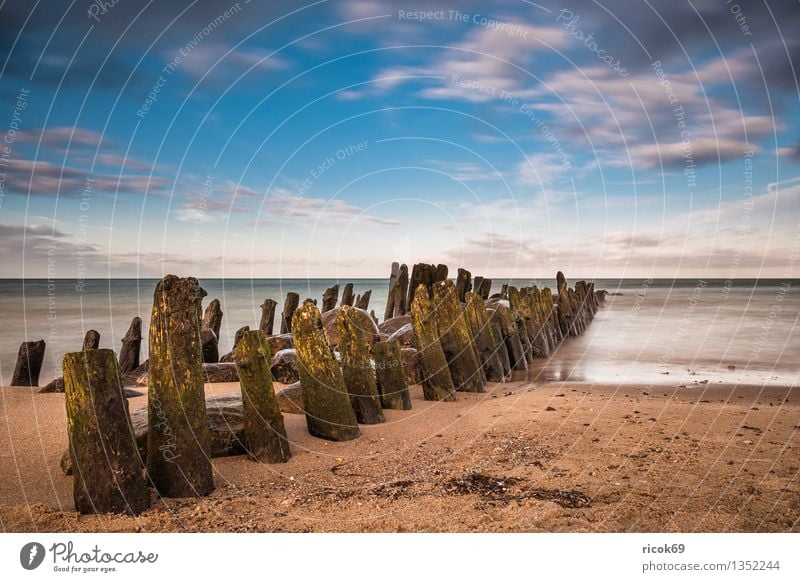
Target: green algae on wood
pixel 326 402
pixel 355 343
pixel 264 432
pixel 178 440
pixel 108 470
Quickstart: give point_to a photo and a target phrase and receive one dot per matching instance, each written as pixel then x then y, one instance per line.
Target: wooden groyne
pixel 447 335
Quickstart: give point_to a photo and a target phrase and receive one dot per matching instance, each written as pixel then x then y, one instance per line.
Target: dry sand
pixel 521 457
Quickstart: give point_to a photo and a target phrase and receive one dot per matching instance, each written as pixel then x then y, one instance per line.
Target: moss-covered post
pixel 212 318
pixel 264 432
pixel 391 376
pixel 564 310
pixel 354 346
pixel 456 339
pixel 178 439
pixel 330 297
pixel 536 308
pixel 91 341
pixel 485 343
pixel 29 364
pixel 289 307
pixel 326 402
pixel 267 322
pixel 437 382
pixel 131 347
pixel 108 470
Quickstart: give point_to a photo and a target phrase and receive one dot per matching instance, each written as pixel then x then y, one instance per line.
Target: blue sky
pixel 329 139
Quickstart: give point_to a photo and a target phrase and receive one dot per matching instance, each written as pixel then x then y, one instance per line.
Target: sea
pixel 682 332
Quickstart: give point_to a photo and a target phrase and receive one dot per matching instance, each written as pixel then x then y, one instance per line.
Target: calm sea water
pixel 693 329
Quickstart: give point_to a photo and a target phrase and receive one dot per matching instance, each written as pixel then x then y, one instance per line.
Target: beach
pixel 524 456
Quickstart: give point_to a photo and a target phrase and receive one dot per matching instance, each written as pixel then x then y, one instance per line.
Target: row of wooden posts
pixel 464 338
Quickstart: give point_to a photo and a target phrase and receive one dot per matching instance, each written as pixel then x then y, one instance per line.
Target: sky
pixel 330 138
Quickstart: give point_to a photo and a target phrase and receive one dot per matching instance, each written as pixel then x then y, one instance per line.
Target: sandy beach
pixel 521 457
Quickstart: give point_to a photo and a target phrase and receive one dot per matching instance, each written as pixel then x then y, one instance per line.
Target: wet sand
pixel 520 457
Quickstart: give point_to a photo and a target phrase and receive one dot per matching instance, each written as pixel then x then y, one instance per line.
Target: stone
pixel 29 364
pixel 362 318
pixel 389 326
pixel 179 443
pixel 280 342
pixel 405 336
pixel 355 345
pixel 101 446
pixel 326 401
pixel 290 399
pixel 456 339
pixel 264 432
pixel 284 367
pixel 220 373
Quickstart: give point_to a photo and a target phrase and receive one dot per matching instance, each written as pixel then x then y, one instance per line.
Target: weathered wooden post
pixel 456 339
pixel 354 346
pixel 463 284
pixel 437 382
pixel 486 288
pixel 392 294
pixel 267 322
pixel 105 460
pixel 403 305
pixel 391 376
pixel 535 307
pixel 131 347
pixel 178 439
pixel 91 341
pixel 347 295
pixel 264 431
pixel 210 346
pixel 563 304
pixel 510 332
pixel 289 307
pixel 476 286
pixel 330 297
pixel 326 402
pixel 495 322
pixel 439 274
pixel 517 309
pixel 485 343
pixel 29 364
pixel 212 318
pixel 362 302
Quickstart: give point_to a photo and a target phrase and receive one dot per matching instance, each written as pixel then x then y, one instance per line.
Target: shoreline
pixel 519 457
